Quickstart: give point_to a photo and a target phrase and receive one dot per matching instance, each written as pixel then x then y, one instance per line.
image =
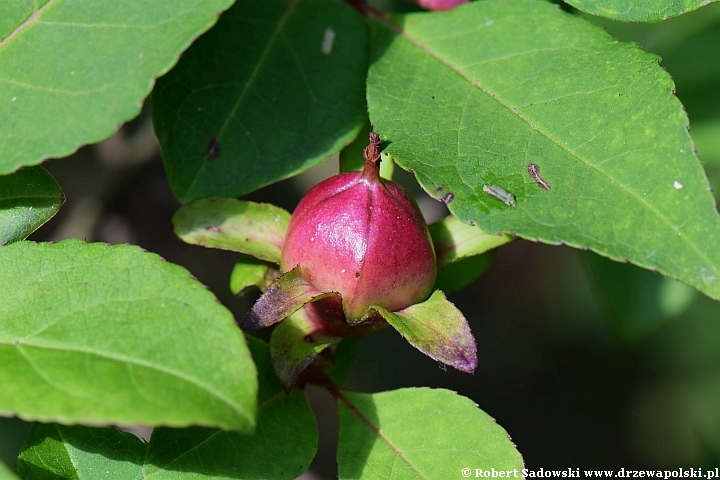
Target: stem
pixel 371 170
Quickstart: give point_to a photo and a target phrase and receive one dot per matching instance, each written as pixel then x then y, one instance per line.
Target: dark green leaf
pixel 419 433
pixel 343 356
pixel 84 68
pixel 257 229
pixel 680 385
pixel 53 452
pixel 470 97
pixel 634 11
pixel 284 297
pixel 438 329
pixel 272 90
pixel 460 274
pixel 28 198
pixel 637 301
pixel 294 344
pixel 112 335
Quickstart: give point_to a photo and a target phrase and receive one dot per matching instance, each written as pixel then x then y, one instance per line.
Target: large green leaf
pixel 28 198
pixel 420 433
pixel 634 11
pixel 84 68
pixel 96 334
pixel 469 98
pixel 282 446
pixel 55 452
pixel 272 90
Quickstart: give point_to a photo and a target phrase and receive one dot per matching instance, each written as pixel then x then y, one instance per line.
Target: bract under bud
pixel 363 237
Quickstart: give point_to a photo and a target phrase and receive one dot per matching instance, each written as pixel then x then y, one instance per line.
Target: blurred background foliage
pixel 585 362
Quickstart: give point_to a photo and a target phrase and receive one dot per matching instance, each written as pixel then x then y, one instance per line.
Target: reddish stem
pixel 371 170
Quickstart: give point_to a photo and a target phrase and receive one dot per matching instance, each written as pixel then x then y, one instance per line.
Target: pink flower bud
pixel 363 237
pixel 440 4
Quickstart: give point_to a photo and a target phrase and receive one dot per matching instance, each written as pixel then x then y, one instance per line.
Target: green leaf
pixel 282 446
pixel 343 356
pixel 284 297
pixel 634 11
pixel 28 198
pixel 438 329
pixel 84 68
pixel 707 138
pixel 271 91
pixel 294 344
pixel 470 97
pixel 99 334
pixel 256 229
pixel 73 452
pixel 6 474
pixel 251 272
pixel 419 433
pixel 454 240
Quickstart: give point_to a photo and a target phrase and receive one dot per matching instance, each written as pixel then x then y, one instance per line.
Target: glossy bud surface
pixel 364 238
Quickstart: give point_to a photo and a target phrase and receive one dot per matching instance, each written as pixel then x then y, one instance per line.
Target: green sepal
pixel 256 229
pixel 294 344
pixel 283 298
pixel 438 329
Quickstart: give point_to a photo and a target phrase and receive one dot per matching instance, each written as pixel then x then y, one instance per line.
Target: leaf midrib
pixel 31 197
pixel 422 46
